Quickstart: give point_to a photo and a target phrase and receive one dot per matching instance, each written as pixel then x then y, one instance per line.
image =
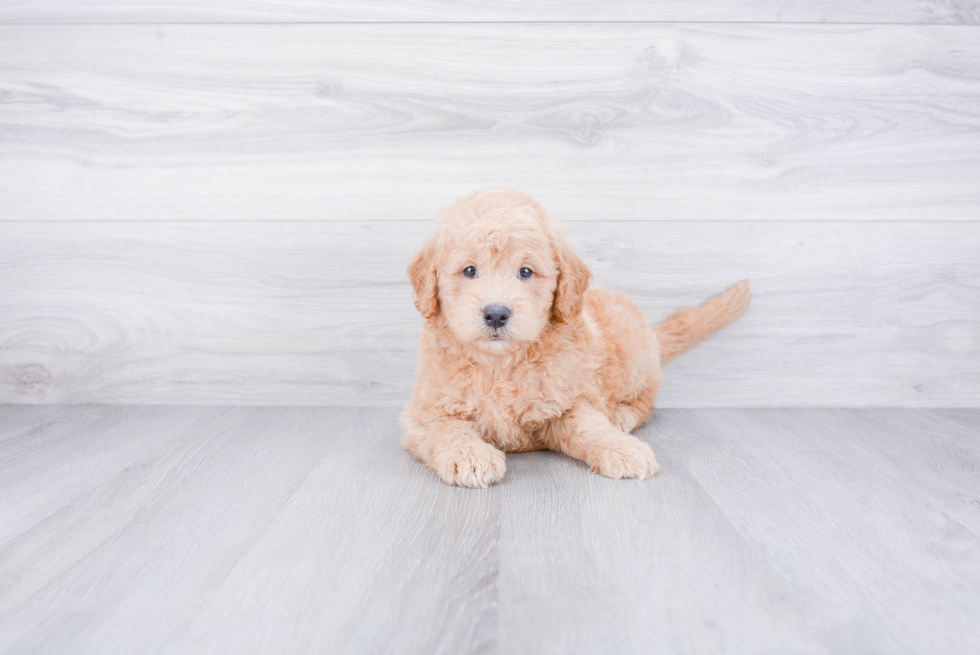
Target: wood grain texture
pixel 272 530
pixel 832 511
pixel 263 11
pixel 70 452
pixel 294 313
pixel 300 516
pixel 382 122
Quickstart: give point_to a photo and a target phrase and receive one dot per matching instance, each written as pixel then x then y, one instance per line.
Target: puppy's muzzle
pixel 496 316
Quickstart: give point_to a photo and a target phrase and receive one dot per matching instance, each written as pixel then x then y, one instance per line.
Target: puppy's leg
pixel 634 412
pixel 454 450
pixel 586 434
pixel 625 417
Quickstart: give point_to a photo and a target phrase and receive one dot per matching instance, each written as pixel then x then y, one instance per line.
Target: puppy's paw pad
pixel 479 465
pixel 632 459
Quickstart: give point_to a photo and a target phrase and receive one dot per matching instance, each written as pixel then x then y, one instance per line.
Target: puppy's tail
pixel 688 327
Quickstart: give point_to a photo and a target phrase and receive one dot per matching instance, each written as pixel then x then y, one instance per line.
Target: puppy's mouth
pixel 496 335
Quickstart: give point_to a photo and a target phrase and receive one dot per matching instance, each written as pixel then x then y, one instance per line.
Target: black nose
pixel 496 315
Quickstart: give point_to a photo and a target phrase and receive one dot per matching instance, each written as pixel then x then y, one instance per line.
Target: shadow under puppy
pixel 518 353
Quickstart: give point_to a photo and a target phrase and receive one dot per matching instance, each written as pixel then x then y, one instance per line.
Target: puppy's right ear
pixel 422 273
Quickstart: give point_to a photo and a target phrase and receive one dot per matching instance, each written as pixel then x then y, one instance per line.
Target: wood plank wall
pixel 214 202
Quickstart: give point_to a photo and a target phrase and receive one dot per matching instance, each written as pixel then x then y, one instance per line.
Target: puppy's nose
pixel 495 315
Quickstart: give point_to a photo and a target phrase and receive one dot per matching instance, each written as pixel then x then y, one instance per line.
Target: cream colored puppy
pixel 518 353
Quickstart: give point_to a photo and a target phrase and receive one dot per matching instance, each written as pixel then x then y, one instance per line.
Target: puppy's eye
pixel 525 273
pixel 469 271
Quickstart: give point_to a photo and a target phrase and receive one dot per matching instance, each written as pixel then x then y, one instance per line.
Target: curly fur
pixel 575 369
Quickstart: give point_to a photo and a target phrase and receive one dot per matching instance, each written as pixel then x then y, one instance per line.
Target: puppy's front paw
pixel 472 465
pixel 627 458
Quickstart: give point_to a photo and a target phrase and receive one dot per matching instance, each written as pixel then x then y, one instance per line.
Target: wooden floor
pixel 240 530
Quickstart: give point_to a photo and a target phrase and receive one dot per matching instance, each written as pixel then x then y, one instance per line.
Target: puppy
pixel 518 353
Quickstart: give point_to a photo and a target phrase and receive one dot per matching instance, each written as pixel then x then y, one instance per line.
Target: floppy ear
pixel 422 274
pixel 573 280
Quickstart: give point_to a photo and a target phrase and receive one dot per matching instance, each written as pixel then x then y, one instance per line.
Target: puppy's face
pixel 496 285
pixel 498 273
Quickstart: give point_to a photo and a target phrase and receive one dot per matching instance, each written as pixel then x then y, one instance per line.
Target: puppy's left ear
pixel 422 274
pixel 573 281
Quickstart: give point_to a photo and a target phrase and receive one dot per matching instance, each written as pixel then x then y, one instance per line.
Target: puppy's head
pixel 498 270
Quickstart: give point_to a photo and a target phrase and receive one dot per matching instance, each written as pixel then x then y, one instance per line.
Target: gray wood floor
pixel 191 529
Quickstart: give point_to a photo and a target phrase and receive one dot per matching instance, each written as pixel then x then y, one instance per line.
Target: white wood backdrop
pixel 381 122
pixel 222 213
pixel 245 11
